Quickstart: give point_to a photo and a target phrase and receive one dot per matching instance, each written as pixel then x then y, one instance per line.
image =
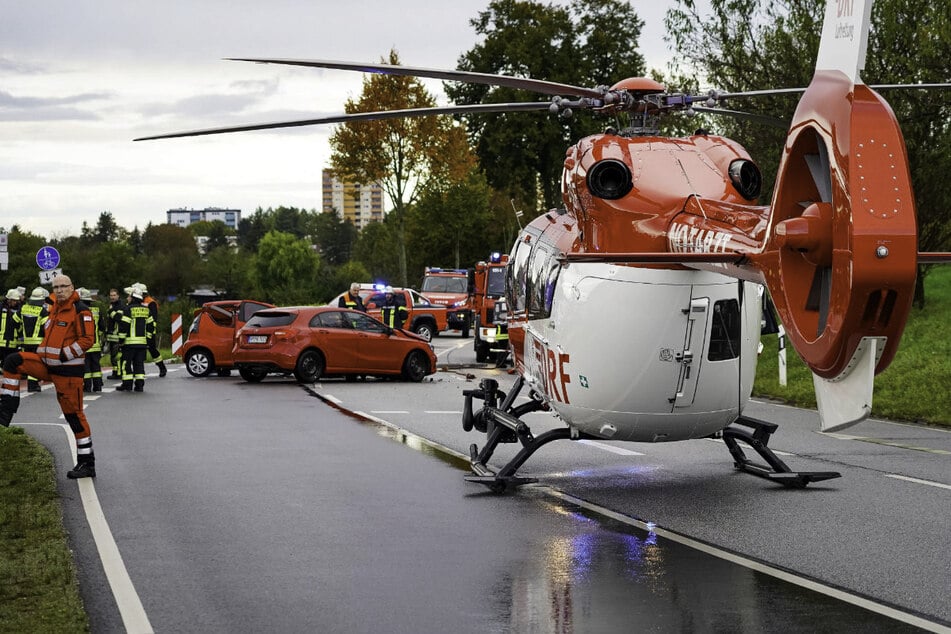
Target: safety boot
pixel 139 386
pixel 33 386
pixel 87 385
pixel 83 469
pixel 97 385
pixel 162 370
pixel 125 386
pixel 6 417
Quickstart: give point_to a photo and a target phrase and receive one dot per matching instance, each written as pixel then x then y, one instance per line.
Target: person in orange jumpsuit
pixel 60 358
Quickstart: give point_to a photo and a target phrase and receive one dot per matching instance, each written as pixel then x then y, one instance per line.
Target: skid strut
pixel 501 423
pixel 776 470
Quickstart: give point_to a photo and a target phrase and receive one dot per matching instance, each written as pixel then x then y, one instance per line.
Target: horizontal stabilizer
pixel 848 400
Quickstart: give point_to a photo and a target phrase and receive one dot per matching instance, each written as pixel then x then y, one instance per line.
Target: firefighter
pixel 152 305
pixel 394 313
pixel 138 329
pixel 35 311
pixel 351 299
pixel 113 327
pixel 60 359
pixel 92 378
pixel 11 324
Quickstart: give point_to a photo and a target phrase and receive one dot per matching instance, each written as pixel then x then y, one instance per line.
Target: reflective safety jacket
pixel 354 302
pixel 11 326
pixel 98 323
pixel 114 322
pixel 393 316
pixel 68 334
pixel 35 313
pixel 138 327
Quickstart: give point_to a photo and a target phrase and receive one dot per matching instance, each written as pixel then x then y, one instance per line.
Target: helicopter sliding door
pixel 690 358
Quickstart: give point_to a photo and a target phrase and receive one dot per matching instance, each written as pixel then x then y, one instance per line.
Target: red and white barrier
pixel 176 333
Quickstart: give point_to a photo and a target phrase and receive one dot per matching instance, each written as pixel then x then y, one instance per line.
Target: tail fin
pixel 840 259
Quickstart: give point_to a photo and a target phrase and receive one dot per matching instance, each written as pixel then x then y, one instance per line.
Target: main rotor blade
pixel 790 91
pixel 363 116
pixel 521 83
pixel 746 116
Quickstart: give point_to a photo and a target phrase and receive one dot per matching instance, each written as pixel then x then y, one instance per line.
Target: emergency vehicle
pixel 451 288
pixel 488 287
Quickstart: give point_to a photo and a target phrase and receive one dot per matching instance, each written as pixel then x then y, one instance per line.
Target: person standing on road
pixel 351 299
pixel 394 313
pixel 149 302
pixel 35 312
pixel 138 328
pixel 113 327
pixel 59 358
pixel 11 324
pixel 92 378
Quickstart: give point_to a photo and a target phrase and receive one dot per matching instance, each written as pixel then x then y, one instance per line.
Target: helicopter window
pixel 517 276
pixel 542 274
pixel 725 331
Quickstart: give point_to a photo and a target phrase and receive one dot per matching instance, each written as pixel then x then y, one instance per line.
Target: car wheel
pixel 252 374
pixel 199 362
pixel 425 330
pixel 416 366
pixel 310 365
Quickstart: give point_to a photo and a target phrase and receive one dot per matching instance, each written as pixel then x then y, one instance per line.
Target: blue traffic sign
pixel 47 258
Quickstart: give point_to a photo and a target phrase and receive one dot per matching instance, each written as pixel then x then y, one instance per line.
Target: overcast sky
pixel 79 79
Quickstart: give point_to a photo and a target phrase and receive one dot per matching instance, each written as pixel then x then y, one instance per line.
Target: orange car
pixel 211 336
pixel 318 341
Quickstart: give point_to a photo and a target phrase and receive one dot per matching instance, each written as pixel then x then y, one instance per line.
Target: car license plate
pixel 257 338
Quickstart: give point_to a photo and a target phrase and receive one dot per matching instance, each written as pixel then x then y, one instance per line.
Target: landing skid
pixel 777 471
pixel 501 423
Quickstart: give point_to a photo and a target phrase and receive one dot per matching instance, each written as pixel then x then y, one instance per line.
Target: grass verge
pixel 38 589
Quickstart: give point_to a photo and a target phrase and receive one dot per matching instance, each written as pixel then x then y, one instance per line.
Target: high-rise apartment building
pixel 361 204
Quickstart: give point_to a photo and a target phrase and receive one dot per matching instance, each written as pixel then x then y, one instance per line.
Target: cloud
pixel 14 108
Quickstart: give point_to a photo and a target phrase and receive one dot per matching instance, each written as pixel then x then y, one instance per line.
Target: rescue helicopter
pixel 669 234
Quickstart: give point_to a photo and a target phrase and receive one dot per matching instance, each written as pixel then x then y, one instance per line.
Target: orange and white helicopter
pixel 661 244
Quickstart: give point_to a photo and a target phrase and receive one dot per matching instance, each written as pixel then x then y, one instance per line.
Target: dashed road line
pixel 611 448
pixel 930 483
pixel 887 443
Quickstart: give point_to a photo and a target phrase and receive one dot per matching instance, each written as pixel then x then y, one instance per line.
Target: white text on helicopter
pixel 686 239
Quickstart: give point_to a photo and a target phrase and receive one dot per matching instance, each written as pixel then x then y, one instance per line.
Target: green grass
pixel 914 387
pixel 38 589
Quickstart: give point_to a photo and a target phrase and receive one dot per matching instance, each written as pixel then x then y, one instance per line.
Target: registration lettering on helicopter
pixel 548 368
pixel 684 238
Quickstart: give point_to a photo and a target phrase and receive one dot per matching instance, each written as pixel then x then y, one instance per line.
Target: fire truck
pixel 491 335
pixel 451 288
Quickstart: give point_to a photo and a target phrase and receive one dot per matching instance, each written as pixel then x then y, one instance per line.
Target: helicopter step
pixel 500 421
pixel 777 471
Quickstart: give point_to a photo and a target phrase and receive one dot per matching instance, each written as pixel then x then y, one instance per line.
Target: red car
pixel 211 336
pixel 319 341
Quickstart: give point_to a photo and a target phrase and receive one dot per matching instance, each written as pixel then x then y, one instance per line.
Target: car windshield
pixel 265 319
pixel 445 285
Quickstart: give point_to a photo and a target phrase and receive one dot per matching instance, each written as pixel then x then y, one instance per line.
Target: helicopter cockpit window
pixel 725 331
pixel 516 276
pixel 542 275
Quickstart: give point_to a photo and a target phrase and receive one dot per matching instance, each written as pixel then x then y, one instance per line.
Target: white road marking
pixel 127 599
pixel 461 344
pixel 611 448
pixel 332 399
pixel 918 481
pixel 887 443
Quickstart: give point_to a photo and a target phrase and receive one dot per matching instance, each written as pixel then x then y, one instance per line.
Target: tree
pixel 334 237
pixel 451 225
pixel 228 271
pixel 403 154
pixel 377 249
pixel 757 44
pixel 284 269
pixel 590 43
pixel 171 258
pixel 251 230
pixel 23 271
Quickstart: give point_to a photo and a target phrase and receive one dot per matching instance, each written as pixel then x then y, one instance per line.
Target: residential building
pixel 185 217
pixel 361 204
